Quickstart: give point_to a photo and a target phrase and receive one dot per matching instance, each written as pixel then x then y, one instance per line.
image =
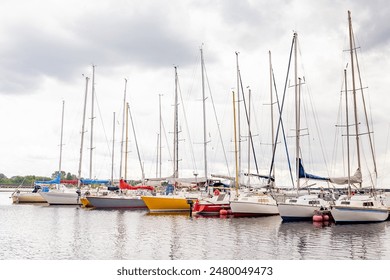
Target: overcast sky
pixel 47 46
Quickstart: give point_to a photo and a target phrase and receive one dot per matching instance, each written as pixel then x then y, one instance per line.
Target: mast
pixel 354 92
pixel 204 117
pixel 297 111
pixel 82 133
pixel 62 133
pixel 136 144
pixel 347 122
pixel 249 135
pixel 176 132
pixel 113 149
pixel 123 129
pixel 92 120
pixel 238 113
pixel 159 140
pixel 272 108
pixel 127 138
pixel 235 144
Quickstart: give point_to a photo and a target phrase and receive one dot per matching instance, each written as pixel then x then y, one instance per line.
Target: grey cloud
pixel 107 40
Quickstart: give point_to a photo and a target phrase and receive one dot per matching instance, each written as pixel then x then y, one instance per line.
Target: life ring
pixel 216 192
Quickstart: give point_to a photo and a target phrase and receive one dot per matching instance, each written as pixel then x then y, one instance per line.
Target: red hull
pixel 210 208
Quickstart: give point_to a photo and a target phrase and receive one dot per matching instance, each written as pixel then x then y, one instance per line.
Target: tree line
pixel 30 179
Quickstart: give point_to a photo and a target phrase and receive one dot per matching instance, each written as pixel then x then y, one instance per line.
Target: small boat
pixel 212 206
pixel 29 197
pixel 254 205
pixel 302 207
pixel 128 197
pixel 360 208
pixel 62 195
pixel 169 203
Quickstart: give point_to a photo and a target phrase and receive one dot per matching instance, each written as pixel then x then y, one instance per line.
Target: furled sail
pixel 303 174
pixel 93 182
pixel 51 182
pixel 356 178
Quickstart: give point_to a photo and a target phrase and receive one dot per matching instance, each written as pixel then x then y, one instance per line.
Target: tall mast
pixel 62 133
pixel 354 92
pixel 347 123
pixel 249 135
pixel 176 132
pixel 123 130
pixel 159 140
pixel 297 111
pixel 127 138
pixel 92 120
pixel 204 117
pixel 238 113
pixel 113 149
pixel 82 133
pixel 136 145
pixel 272 109
pixel 235 144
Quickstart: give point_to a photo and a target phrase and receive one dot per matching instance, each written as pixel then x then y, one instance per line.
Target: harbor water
pixel 44 232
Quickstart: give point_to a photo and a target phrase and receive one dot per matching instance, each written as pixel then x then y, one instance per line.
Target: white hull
pixel 61 198
pixel 359 209
pixel 297 211
pixel 358 215
pixel 301 208
pixel 254 206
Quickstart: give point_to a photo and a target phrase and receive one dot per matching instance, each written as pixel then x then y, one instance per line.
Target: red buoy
pixel 223 212
pixel 326 217
pixel 318 218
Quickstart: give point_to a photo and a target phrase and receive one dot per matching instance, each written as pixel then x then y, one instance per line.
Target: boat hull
pixel 61 198
pixel 167 203
pixel 116 202
pixel 297 212
pixel 27 198
pixel 210 209
pixel 253 209
pixel 342 214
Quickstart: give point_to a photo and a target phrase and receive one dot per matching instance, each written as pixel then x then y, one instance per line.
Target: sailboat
pixel 174 199
pixel 301 207
pixel 359 207
pixel 64 195
pixel 127 196
pixel 257 202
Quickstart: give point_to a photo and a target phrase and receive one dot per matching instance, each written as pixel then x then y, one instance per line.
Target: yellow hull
pixel 167 203
pixel 85 203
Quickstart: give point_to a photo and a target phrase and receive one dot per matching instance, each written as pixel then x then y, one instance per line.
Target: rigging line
pixel 247 119
pixel 216 119
pixel 280 120
pixel 365 111
pixel 136 145
pixel 283 130
pixel 188 131
pixel 104 130
pixel 166 140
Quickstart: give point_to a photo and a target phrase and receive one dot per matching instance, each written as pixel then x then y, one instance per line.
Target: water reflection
pixel 71 232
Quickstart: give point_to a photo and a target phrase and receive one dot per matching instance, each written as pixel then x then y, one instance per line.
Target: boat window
pixel 345 202
pixel 314 202
pixel 368 204
pixel 221 197
pixel 293 201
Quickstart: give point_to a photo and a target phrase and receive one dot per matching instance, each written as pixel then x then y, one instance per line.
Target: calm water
pixel 43 232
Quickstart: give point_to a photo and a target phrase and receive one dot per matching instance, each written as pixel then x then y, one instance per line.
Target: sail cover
pixel 303 174
pixel 54 181
pixel 356 178
pixel 93 181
